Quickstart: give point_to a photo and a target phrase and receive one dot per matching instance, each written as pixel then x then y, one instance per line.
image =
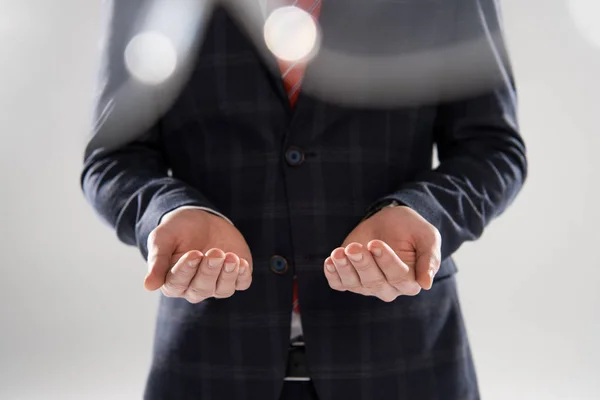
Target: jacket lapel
pixel 311 113
pixel 313 106
pixel 251 15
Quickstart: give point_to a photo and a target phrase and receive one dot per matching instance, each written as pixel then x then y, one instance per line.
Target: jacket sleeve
pixel 482 157
pixel 128 185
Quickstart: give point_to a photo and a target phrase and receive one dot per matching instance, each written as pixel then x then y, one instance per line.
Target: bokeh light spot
pixel 291 34
pixel 151 58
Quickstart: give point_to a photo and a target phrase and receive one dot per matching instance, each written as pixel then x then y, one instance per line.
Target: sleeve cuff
pixel 419 202
pixel 428 207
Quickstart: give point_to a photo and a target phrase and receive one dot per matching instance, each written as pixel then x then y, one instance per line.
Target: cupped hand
pixel 194 254
pixel 396 252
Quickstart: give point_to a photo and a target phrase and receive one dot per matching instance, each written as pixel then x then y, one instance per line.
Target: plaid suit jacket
pixel 227 140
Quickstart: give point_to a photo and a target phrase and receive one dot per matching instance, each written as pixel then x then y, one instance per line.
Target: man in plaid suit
pixel 237 195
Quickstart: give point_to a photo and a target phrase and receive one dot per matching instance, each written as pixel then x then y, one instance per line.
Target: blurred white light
pixel 151 58
pixel 586 14
pixel 291 34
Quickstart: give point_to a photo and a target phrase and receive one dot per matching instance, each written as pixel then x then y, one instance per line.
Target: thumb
pixel 428 258
pixel 161 245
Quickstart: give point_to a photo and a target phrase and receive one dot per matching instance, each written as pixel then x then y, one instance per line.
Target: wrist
pixel 381 206
pixel 194 208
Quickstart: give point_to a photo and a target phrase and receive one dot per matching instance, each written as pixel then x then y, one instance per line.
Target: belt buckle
pixel 296 363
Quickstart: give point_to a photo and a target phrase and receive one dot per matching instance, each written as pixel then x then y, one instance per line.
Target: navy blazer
pixel 295 183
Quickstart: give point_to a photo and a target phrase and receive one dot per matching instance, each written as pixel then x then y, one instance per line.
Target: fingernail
pixel 341 261
pixel 242 270
pixel 215 262
pixel 330 267
pixel 355 257
pixel 431 273
pixel 193 263
pixel 229 267
pixel 376 251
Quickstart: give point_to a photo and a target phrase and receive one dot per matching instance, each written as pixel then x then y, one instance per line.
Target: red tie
pixel 292 74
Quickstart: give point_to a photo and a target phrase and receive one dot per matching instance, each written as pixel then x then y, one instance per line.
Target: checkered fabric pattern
pixel 225 140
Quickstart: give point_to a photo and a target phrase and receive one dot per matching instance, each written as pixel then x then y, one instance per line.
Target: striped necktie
pixel 293 72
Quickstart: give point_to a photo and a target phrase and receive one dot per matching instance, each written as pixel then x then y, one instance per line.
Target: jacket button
pixel 294 156
pixel 279 265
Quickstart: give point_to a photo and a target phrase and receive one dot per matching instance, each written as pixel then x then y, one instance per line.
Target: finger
pixel 395 270
pixel 179 277
pixel 371 277
pixel 204 283
pixel 161 245
pixel 429 257
pixel 244 278
pixel 348 275
pixel 369 273
pixel 227 278
pixel 333 278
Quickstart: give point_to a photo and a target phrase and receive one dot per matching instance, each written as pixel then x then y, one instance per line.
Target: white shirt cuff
pixel 210 210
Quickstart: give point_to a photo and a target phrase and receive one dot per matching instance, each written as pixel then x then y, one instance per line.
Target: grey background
pixel 75 322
